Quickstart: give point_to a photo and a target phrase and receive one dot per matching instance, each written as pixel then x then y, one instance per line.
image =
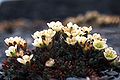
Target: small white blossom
pixel 67 31
pixel 73 26
pixel 37 34
pixel 90 37
pixel 9 40
pixel 97 36
pixel 86 29
pixel 56 26
pixel 80 31
pixel 99 45
pixel 71 29
pixel 50 62
pixel 25 59
pixel 15 40
pixel 81 39
pixel 47 41
pixel 49 33
pixel 11 51
pixel 38 42
pixel 71 41
pixel 110 54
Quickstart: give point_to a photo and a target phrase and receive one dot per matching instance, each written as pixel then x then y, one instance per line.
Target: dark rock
pixel 112 73
pixel 118 78
pixel 73 78
pixel 104 78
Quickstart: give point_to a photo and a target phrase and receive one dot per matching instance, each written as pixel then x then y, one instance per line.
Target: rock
pixel 112 73
pixel 73 78
pixel 118 78
pixel 104 78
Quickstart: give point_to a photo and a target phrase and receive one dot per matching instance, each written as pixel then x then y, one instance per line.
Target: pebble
pixel 112 73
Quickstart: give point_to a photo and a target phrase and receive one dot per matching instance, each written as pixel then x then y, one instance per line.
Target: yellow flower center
pixel 98 45
pixel 110 55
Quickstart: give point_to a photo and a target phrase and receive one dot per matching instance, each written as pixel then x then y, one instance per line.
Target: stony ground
pixel 111 33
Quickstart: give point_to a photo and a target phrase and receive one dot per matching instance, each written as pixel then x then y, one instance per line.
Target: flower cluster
pixel 56 26
pixel 65 50
pixel 17 48
pixel 43 38
pixel 12 41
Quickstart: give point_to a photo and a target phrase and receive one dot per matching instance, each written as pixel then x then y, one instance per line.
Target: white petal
pixel 6 41
pixel 70 24
pixel 36 45
pixel 21 60
pixel 8 53
pixel 26 57
pixel 31 56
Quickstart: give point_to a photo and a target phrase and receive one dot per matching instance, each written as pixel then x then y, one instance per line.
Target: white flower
pixel 50 62
pixel 80 31
pixel 86 29
pixel 9 40
pixel 110 54
pixel 97 36
pixel 11 51
pixel 46 33
pixel 37 34
pixel 19 41
pixel 73 26
pixel 47 41
pixel 71 29
pixel 25 59
pixel 56 26
pixel 49 33
pixel 67 31
pixel 81 39
pixel 71 41
pixel 15 40
pixel 69 25
pixel 90 37
pixel 38 42
pixel 99 45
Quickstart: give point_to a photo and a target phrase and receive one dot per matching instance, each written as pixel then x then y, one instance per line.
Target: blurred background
pixel 24 17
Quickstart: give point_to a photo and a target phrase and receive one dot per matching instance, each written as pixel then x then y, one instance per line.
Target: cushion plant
pixel 60 52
